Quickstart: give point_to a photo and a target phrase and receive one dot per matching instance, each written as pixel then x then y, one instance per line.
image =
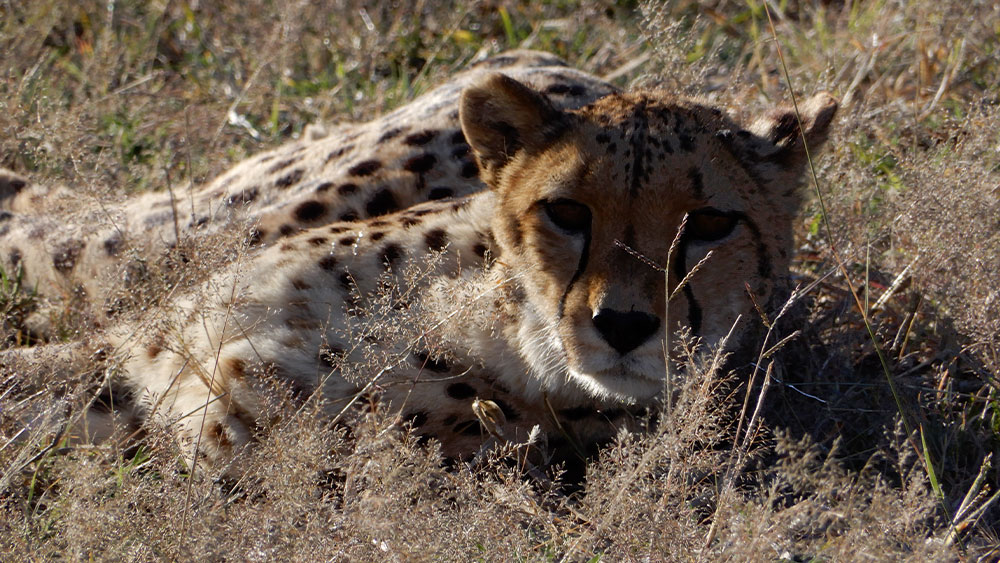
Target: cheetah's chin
pixel 628 383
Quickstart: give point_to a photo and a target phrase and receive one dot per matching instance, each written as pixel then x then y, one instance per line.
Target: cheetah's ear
pixel 500 117
pixel 775 149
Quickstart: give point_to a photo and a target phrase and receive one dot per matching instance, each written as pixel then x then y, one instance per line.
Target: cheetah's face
pixel 589 201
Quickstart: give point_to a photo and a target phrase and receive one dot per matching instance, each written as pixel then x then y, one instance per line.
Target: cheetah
pixel 98 254
pixel 557 323
pixel 538 304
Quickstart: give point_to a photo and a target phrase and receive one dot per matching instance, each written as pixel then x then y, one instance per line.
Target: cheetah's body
pixel 543 294
pixel 347 172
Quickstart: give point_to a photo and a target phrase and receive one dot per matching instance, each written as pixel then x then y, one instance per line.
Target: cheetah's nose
pixel 625 331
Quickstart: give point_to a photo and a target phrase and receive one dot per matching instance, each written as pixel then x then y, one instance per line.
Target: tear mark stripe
pixel 681 271
pixel 580 268
pixel 764 268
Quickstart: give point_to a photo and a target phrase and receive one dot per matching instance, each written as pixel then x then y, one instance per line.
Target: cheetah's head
pixel 589 201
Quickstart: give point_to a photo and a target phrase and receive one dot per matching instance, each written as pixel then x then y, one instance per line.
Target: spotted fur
pixel 543 295
pixel 341 173
pixel 558 321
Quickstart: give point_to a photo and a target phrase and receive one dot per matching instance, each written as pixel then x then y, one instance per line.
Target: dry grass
pixel 110 98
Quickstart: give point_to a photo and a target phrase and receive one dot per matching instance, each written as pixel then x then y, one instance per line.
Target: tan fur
pixel 527 295
pixel 98 252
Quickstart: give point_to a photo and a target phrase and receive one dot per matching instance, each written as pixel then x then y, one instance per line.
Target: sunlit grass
pixel 111 99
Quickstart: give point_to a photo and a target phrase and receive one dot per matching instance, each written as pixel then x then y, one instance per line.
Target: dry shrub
pixel 947 222
pixel 364 488
pixel 105 101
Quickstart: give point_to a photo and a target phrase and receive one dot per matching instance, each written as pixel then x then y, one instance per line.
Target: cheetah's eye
pixel 570 216
pixel 709 224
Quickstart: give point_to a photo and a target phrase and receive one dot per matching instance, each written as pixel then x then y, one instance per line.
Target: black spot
pixel 576 413
pixel 391 134
pixel 577 90
pixel 436 239
pixel 440 193
pixel 697 186
pixel 310 210
pixel 420 163
pixel 286 230
pixel 15 257
pixel 339 152
pixel 377 236
pixel 64 258
pixel 328 262
pixel 390 254
pixel 16 184
pixel 508 411
pixel 337 229
pixel 113 245
pixel 365 168
pixel 348 216
pixel 5 215
pixel 347 241
pixel 347 189
pixel 408 222
pixel 379 223
pixel 424 361
pixel 460 391
pixel 287 180
pixel 243 197
pixel 470 169
pixel 557 89
pixel 612 148
pixel 254 236
pixel 603 138
pixel 420 138
pixel 300 284
pixel 468 428
pixel 324 187
pixel 480 250
pixel 318 241
pixel 417 419
pixel 281 165
pixel 458 138
pixel 687 142
pixel 460 152
pixel 383 202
